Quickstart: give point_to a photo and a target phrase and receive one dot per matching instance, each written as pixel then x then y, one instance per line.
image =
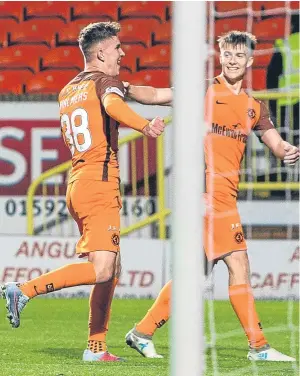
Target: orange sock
pixel 242 301
pixel 99 315
pixel 67 276
pixel 158 314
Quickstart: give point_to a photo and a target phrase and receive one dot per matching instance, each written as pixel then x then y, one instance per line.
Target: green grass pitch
pixel 53 333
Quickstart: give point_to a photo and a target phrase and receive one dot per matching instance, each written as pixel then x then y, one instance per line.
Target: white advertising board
pixel 146 265
pixel 28 257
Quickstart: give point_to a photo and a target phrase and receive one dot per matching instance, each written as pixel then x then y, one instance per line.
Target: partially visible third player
pixel 231 115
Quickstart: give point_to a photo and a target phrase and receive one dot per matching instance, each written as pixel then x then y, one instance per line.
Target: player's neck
pixel 234 87
pixel 92 67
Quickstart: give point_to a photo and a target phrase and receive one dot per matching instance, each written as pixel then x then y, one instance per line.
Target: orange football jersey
pixel 230 118
pixel 90 134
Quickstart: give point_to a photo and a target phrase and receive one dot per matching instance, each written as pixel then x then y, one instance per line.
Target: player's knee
pixel 104 273
pixel 238 267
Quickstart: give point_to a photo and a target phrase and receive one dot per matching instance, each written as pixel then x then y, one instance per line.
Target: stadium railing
pixel 250 179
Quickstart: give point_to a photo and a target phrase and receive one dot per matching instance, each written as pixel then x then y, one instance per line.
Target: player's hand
pixel 291 154
pixel 126 86
pixel 155 128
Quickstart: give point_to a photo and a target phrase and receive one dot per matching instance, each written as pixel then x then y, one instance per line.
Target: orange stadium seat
pixel 5 26
pixel 258 79
pixel 49 82
pixel 229 6
pixel 66 57
pixel 36 31
pixel 142 9
pixel 47 9
pixel 135 50
pixel 136 32
pixel 269 29
pixel 157 57
pixel 263 54
pixel 162 34
pixel 224 25
pixel 11 9
pixel 22 57
pixel 264 5
pixel 156 78
pixel 11 81
pixel 169 10
pixel 102 10
pixel 68 36
pixel 129 63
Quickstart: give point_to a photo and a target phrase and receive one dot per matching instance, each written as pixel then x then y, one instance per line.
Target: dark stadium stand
pixel 41 37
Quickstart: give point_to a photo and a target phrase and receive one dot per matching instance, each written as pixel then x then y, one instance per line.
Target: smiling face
pixel 235 59
pixel 111 54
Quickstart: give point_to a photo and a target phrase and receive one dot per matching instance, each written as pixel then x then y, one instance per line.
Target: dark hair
pixel 94 33
pixel 235 37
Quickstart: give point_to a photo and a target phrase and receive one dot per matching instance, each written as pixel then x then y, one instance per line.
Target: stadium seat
pixel 102 10
pixel 142 9
pixel 224 25
pixel 269 29
pixel 68 36
pixel 230 6
pixel 266 5
pixel 169 10
pixel 136 32
pixel 5 26
pixel 36 31
pixel 263 54
pixel 129 62
pixel 11 9
pixel 22 57
pixel 162 34
pixel 156 78
pixel 11 81
pixel 157 57
pixel 49 82
pixel 62 58
pixel 47 9
pixel 135 50
pixel 259 77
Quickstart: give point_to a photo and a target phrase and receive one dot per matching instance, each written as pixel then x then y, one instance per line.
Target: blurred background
pixel 39 54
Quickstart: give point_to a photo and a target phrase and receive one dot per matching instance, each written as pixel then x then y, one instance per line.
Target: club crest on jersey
pixel 251 113
pixel 115 239
pixel 239 237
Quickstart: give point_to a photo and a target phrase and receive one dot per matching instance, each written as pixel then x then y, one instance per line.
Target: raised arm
pixel 119 110
pixel 149 94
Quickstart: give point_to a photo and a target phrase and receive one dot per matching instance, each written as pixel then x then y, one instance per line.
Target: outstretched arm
pixel 149 94
pixel 116 108
pixel 280 148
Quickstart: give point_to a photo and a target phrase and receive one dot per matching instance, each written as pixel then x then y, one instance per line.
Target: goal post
pixel 189 56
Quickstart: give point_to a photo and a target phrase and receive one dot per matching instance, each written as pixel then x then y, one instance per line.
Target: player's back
pixel 90 134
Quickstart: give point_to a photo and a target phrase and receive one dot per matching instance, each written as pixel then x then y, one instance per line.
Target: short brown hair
pixel 96 32
pixel 235 37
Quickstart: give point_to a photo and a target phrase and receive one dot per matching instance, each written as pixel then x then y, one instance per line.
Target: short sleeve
pixel 264 122
pixel 109 85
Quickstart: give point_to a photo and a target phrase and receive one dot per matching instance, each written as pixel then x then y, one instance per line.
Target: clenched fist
pixel 155 128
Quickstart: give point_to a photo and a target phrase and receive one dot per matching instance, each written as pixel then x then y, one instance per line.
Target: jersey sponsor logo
pixel 115 239
pixel 114 89
pixel 224 130
pixel 251 113
pixel 239 237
